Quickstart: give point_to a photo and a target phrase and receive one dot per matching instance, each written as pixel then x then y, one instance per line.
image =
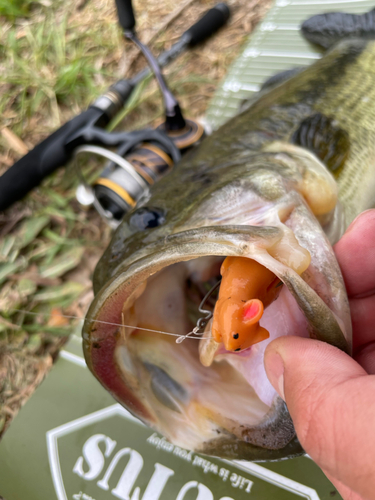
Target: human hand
pixel 330 396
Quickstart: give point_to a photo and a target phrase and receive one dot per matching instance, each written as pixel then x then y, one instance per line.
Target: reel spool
pixel 131 171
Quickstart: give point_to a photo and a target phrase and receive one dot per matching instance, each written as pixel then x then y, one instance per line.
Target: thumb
pixel 331 400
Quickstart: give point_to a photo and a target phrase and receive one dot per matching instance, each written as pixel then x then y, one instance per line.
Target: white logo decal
pixel 91 464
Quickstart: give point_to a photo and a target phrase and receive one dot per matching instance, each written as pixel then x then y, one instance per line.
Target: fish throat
pixel 202 389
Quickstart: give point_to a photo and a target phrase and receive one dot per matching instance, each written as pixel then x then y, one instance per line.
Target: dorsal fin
pixel 327 29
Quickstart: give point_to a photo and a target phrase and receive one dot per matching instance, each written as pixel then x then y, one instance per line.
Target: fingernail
pixel 275 372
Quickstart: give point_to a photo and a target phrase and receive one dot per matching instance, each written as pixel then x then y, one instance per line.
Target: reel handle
pixel 125 14
pixel 212 21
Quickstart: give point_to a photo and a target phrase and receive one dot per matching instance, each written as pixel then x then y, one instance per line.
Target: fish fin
pixel 322 136
pixel 327 29
pixel 281 77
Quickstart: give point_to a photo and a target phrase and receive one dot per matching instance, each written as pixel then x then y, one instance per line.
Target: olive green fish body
pixel 298 164
pixel 339 87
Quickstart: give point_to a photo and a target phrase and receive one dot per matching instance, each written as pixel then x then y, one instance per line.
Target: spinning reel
pixel 140 158
pixel 139 163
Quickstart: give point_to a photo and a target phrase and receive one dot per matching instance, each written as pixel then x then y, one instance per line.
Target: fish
pixel 258 205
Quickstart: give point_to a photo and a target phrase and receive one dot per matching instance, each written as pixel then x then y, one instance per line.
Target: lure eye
pixel 147 218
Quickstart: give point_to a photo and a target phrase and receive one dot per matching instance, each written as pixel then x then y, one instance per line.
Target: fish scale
pixel 352 103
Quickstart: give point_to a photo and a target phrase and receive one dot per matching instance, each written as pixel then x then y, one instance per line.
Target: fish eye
pixel 147 218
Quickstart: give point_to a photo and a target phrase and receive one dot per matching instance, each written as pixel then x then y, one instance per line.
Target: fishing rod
pixel 142 156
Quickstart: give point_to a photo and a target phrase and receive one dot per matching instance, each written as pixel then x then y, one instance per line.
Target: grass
pixel 16 8
pixel 55 58
pixel 49 66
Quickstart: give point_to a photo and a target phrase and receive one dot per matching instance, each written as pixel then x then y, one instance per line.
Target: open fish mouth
pixel 197 393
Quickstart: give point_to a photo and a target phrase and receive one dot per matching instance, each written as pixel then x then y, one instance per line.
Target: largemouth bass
pixel 271 190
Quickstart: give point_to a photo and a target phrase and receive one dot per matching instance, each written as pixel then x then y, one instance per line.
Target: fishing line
pixel 106 323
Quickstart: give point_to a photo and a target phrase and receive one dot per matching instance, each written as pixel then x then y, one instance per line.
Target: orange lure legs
pixel 246 289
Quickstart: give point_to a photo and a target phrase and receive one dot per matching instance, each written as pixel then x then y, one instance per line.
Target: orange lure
pixel 246 289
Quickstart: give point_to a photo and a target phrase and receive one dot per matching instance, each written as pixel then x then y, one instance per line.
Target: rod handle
pixel 45 158
pixel 125 14
pixel 209 24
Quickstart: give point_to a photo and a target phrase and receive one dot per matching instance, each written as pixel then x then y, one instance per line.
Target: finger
pixel 345 492
pixel 355 253
pixel 331 400
pixel 366 357
pixel 363 320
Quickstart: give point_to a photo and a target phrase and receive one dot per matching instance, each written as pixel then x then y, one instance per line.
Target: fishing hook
pixel 202 322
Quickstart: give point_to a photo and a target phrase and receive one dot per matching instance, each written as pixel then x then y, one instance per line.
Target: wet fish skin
pixel 247 155
pixel 340 85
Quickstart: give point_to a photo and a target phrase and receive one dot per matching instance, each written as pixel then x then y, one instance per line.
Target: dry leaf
pixel 14 142
pixel 57 318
